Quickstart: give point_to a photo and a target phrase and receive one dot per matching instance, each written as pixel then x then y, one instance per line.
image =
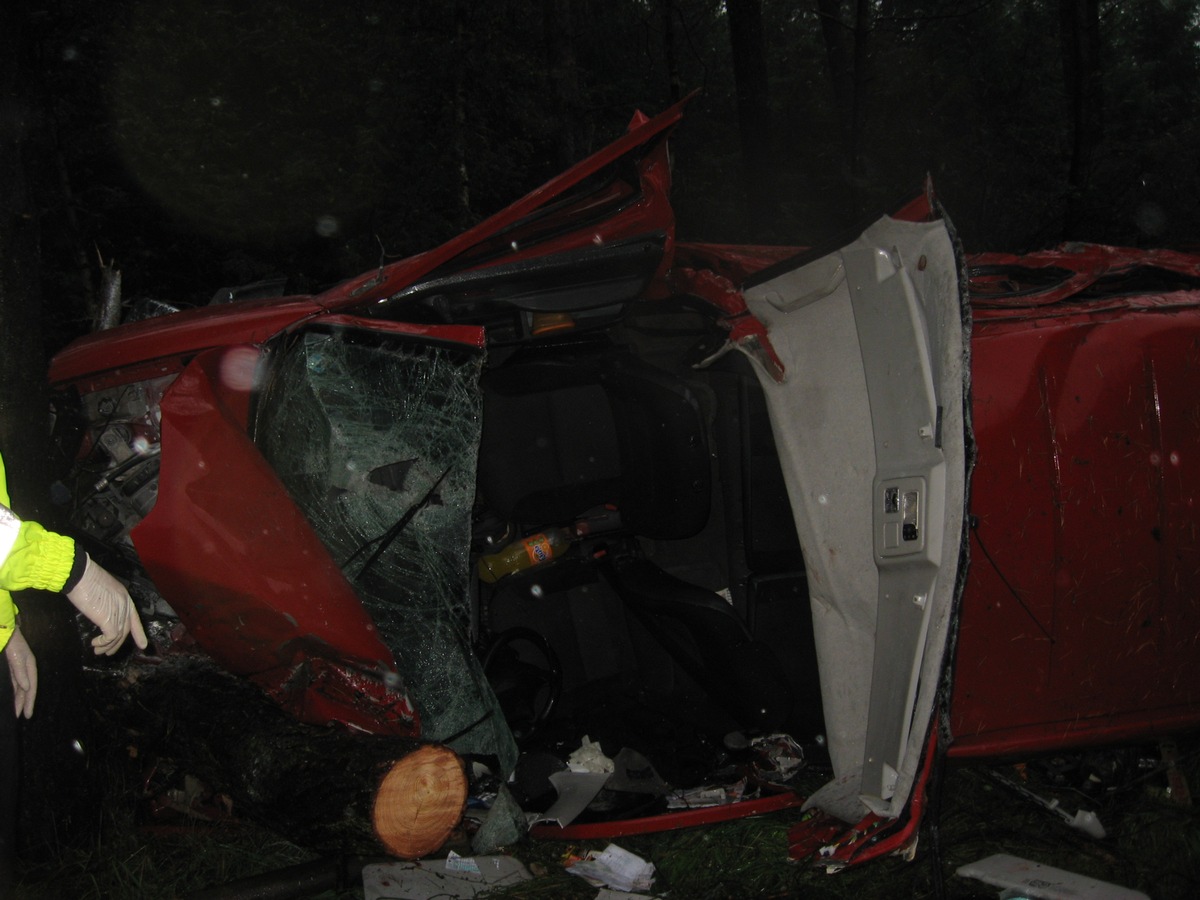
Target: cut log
pixel 322 787
pixel 419 801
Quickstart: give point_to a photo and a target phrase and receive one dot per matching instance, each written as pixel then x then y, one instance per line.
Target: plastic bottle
pixel 525 553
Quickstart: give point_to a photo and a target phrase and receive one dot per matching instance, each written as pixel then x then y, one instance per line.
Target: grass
pixel 134 863
pixel 1153 845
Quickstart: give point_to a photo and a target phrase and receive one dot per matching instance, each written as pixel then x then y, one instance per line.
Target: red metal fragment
pixel 745 329
pixel 869 838
pixel 689 818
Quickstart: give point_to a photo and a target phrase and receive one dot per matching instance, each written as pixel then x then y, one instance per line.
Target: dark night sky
pixel 203 144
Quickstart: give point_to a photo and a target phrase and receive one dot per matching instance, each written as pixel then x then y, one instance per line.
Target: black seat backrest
pixel 563 434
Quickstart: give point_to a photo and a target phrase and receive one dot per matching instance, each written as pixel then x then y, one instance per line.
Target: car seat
pixel 586 427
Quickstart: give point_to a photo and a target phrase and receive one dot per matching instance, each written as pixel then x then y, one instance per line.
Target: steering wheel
pixel 527 691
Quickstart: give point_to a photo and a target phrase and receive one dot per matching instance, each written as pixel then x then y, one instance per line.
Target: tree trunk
pixel 23 397
pixel 558 22
pixel 1081 53
pixel 847 50
pixel 858 121
pixel 674 81
pixel 325 788
pixel 74 229
pixel 458 142
pixel 109 313
pixel 835 33
pixel 748 46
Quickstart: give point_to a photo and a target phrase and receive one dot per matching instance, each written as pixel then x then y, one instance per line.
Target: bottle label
pixel 539 549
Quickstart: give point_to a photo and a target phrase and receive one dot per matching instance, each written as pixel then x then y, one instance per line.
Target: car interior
pixel 677 618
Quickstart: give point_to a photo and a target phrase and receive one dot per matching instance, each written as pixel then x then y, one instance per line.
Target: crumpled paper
pixel 615 867
pixel 590 758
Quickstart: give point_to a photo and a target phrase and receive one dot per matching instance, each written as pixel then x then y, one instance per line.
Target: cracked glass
pixel 376 439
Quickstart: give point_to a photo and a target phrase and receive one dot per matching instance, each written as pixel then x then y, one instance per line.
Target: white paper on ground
pixel 617 868
pixel 1043 882
pixel 426 879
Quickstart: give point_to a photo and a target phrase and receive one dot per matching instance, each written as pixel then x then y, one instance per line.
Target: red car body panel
pixel 1005 285
pixel 1081 615
pixel 104 358
pixel 468 335
pixel 293 605
pixel 540 223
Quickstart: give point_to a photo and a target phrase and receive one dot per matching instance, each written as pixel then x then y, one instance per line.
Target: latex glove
pixel 105 601
pixel 23 668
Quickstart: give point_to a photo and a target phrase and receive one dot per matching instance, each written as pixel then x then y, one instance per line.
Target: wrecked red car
pixel 564 475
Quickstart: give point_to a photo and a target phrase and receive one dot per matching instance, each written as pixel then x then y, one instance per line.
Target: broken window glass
pixel 376 438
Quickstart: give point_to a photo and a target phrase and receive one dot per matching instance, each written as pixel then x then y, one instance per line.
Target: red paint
pixel 688 818
pixel 252 582
pixel 871 837
pixel 320 691
pixel 470 335
pixel 183 333
pixel 735 262
pixel 129 374
pixel 1004 284
pixel 744 327
pixel 534 226
pixel 1083 624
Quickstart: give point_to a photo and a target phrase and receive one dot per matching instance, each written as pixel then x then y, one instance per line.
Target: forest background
pixel 196 144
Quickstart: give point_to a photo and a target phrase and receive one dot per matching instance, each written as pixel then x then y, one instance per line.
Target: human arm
pixel 32 557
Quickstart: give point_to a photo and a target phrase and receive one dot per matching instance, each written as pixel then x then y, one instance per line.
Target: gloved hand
pixel 23 668
pixel 105 601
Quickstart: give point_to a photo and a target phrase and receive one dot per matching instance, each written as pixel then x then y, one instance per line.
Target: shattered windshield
pixel 376 439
